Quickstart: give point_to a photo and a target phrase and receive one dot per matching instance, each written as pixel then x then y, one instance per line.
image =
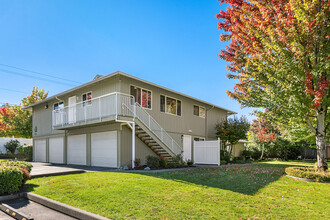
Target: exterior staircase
pixel 154 136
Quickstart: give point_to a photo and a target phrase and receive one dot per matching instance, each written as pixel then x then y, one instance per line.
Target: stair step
pixel 151 141
pixel 143 135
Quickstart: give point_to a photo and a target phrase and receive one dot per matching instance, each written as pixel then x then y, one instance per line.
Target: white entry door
pixel 187 147
pixel 72 109
pixel 104 149
pixel 77 149
pixel 40 150
pixel 56 148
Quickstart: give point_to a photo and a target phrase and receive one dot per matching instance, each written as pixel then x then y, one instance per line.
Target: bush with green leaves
pixel 223 162
pixel 163 162
pixel 11 146
pixel 16 163
pixel 308 173
pixel 178 160
pixel 11 179
pixel 153 161
pixel 247 154
pixel 190 162
pixel 23 166
pixel 224 155
pixel 28 152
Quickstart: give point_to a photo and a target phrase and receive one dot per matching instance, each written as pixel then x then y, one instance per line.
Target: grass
pixel 239 192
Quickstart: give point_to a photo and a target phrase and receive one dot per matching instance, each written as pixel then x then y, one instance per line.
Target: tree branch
pixel 310 125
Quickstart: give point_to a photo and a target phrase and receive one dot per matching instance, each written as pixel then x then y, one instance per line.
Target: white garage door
pixel 56 150
pixel 40 150
pixel 104 149
pixel 77 149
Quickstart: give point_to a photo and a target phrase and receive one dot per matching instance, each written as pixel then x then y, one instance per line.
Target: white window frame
pixel 58 104
pixel 87 102
pixel 199 106
pixel 176 105
pixel 148 90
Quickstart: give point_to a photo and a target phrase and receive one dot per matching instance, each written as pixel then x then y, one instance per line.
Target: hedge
pixel 16 163
pixel 308 173
pixel 11 179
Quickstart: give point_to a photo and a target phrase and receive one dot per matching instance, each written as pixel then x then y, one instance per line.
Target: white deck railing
pixel 113 104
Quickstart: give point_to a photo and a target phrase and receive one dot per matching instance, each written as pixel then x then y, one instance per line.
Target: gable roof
pixel 100 78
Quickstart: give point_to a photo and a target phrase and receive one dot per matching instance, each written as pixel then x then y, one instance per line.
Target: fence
pixel 4 140
pixel 207 152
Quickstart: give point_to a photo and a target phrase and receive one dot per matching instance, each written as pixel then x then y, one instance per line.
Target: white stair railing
pixel 157 130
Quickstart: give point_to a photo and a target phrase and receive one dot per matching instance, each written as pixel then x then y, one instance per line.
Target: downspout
pixel 206 130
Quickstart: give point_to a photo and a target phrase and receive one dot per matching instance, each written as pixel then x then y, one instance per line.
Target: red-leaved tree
pixel 263 132
pixel 279 52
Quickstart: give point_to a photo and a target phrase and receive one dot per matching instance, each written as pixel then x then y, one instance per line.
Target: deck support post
pixel 133 144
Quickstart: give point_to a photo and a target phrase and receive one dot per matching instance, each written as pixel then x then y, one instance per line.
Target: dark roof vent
pixel 97 77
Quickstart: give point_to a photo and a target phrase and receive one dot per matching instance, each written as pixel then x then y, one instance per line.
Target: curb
pixel 63 208
pixel 57 174
pixel 306 180
pixel 12 197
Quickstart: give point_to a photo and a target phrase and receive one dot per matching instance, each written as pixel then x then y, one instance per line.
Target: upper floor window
pixel 199 111
pixel 58 105
pixel 87 98
pixel 142 96
pixel 170 105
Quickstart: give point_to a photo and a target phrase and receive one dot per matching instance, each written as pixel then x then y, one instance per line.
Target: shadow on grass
pixel 241 179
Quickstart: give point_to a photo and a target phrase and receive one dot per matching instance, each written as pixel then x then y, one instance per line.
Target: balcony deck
pixel 101 110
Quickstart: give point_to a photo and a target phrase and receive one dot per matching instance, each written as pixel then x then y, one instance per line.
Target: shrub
pixel 163 162
pixel 308 173
pixel 11 146
pixel 224 155
pixel 28 152
pixel 153 161
pixel 16 163
pixel 11 179
pixel 247 154
pixel 223 162
pixel 190 162
pixel 137 162
pixel 256 154
pixel 26 174
pixel 178 161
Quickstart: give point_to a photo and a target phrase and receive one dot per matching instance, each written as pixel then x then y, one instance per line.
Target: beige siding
pixel 238 149
pixel 214 115
pixel 188 123
pixel 141 150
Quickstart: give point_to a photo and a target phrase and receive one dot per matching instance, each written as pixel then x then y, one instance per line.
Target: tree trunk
pixel 321 153
pixel 230 149
pixel 320 140
pixel 262 152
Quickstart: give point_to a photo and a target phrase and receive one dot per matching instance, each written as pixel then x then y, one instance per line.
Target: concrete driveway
pixel 47 169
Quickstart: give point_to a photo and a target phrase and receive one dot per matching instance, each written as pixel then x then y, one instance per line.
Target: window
pixel 170 105
pixel 199 111
pixel 199 139
pixel 87 98
pixel 142 96
pixel 58 106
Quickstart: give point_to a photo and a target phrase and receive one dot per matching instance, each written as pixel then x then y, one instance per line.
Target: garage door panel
pixel 40 150
pixel 56 148
pixel 77 149
pixel 104 149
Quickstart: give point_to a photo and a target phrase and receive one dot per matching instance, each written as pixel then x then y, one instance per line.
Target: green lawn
pixel 255 191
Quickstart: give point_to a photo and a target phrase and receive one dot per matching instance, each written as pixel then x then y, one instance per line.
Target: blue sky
pixel 168 42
